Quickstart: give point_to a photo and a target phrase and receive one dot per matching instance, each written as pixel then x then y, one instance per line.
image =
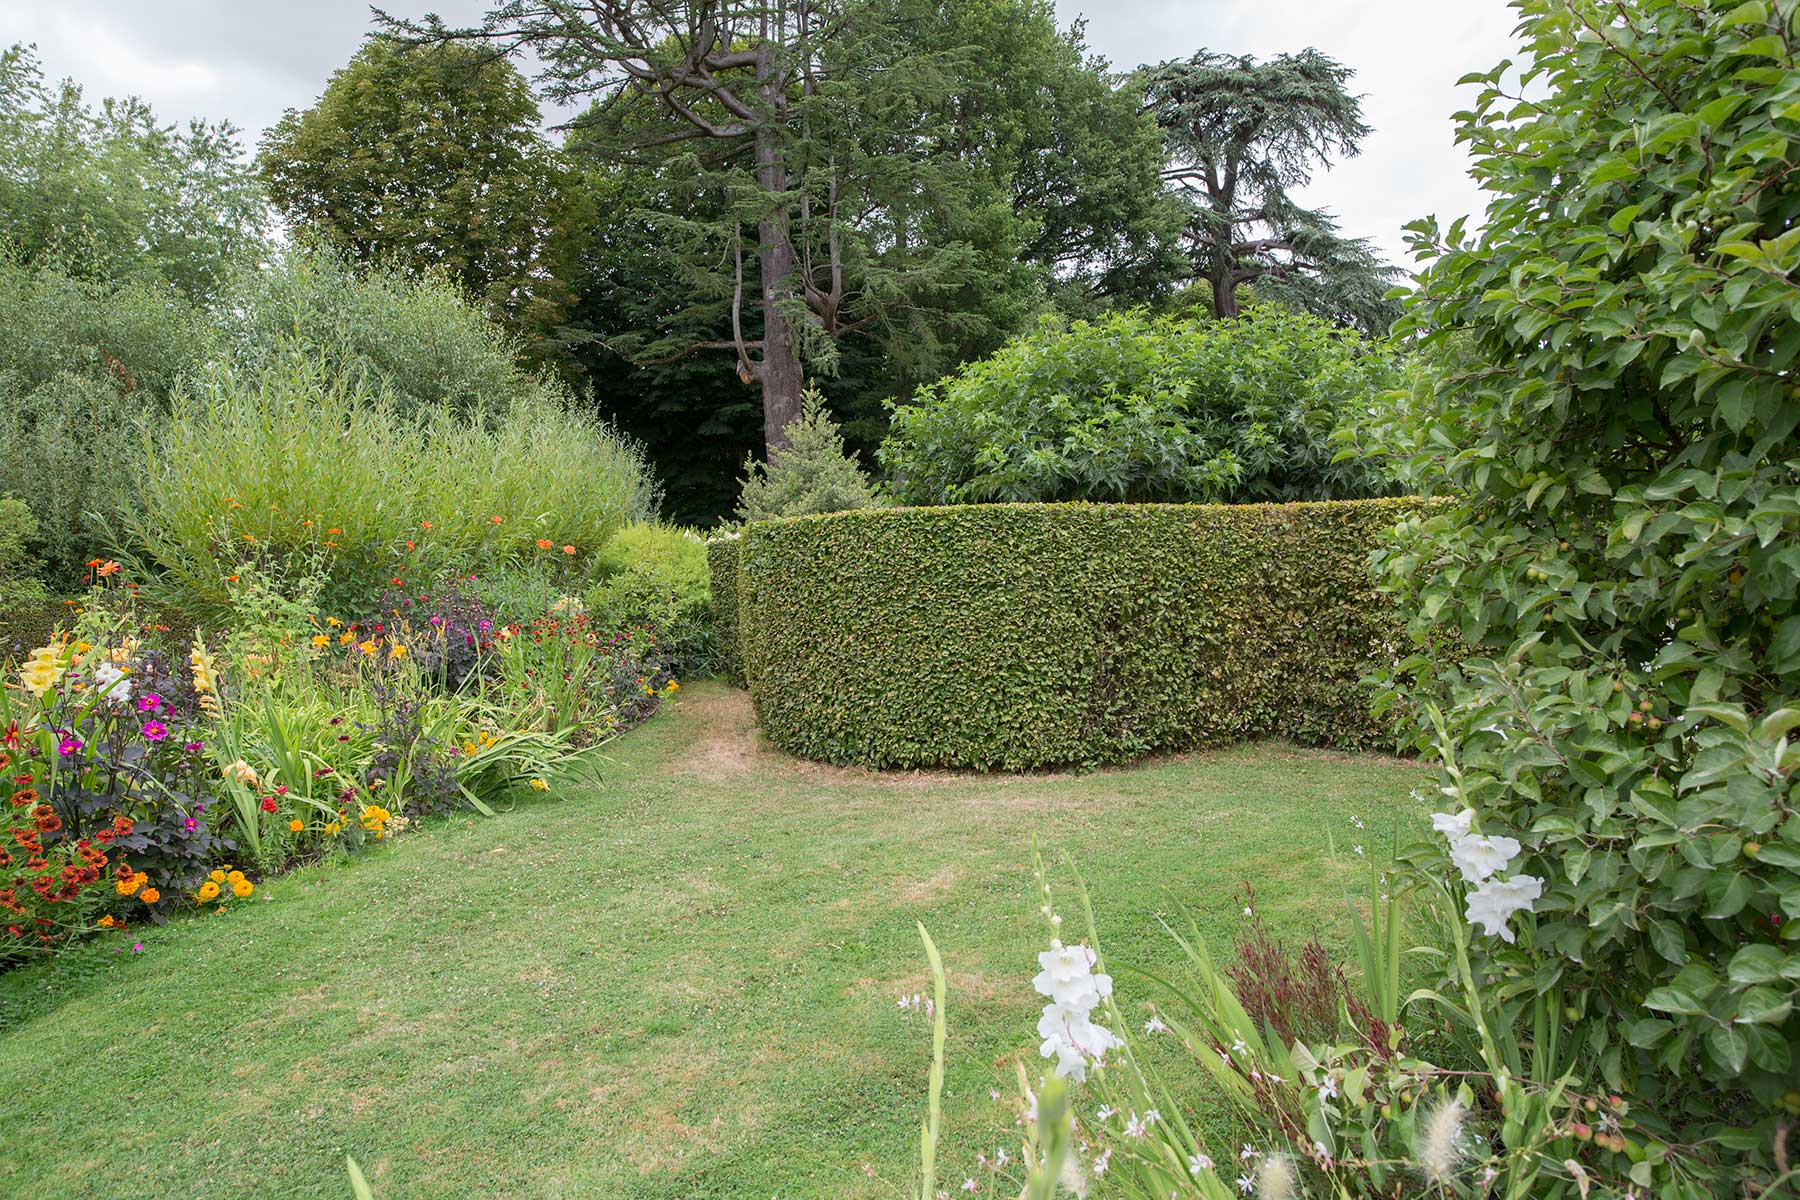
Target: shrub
pixel 724 560
pixel 19 587
pixel 303 462
pixel 81 365
pixel 655 578
pixel 1132 407
pixel 418 338
pixel 1022 636
pixel 1612 409
pixel 811 474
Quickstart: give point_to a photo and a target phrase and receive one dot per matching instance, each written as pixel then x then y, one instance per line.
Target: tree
pixel 111 194
pixel 1239 135
pixel 809 473
pixel 824 197
pixel 1606 600
pixel 430 158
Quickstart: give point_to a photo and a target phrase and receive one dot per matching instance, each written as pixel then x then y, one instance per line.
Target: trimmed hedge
pixel 723 558
pixel 1041 635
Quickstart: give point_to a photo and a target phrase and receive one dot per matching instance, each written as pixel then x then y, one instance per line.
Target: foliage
pixel 112 193
pixel 430 159
pixel 724 560
pixel 565 674
pixel 419 339
pixel 655 578
pixel 809 473
pixel 1024 636
pixel 298 463
pixel 842 172
pixel 1132 407
pixel 1355 1108
pixel 19 587
pixel 83 363
pixel 1612 411
pixel 1240 135
pixel 447 631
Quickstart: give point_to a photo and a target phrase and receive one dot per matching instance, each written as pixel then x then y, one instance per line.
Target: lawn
pixel 677 979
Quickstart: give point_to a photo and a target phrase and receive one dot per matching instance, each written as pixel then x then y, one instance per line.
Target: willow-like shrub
pixel 297 466
pixel 1039 635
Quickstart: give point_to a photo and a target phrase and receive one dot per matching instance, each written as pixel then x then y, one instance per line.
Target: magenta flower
pixel 148 702
pixel 191 825
pixel 194 747
pixel 155 731
pixel 69 745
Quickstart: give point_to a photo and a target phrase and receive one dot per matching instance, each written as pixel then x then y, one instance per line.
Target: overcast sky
pixel 248 60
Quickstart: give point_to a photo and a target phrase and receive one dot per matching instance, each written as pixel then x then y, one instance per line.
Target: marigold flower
pixel 568 549
pixel 107 921
pixel 242 888
pixel 296 825
pixel 540 785
pixel 544 543
pixel 208 891
pixel 149 895
pixel 217 877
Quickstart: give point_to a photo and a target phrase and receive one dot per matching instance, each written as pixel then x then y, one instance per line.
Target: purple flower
pixel 199 808
pixel 484 624
pixel 136 946
pixel 191 825
pixel 69 745
pixel 155 731
pixel 148 702
pixel 194 747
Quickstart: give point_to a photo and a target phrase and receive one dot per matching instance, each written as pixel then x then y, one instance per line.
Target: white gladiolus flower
pixel 1479 857
pixel 1066 1027
pixel 1454 826
pixel 1493 903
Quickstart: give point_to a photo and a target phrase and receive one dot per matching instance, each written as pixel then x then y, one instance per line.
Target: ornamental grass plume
pixel 1438 1151
pixel 1275 1178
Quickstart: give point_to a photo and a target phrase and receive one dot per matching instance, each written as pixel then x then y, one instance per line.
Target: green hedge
pixel 1039 635
pixel 722 558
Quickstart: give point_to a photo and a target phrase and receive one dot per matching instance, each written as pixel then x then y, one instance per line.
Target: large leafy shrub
pixel 81 365
pixel 1133 407
pixel 300 465
pixel 419 337
pixel 1019 636
pixel 655 578
pixel 1612 410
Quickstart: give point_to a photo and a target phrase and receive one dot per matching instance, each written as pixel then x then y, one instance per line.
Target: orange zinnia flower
pixel 496 520
pixel 568 549
pixel 543 543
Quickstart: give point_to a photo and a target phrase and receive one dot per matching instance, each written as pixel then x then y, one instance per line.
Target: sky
pixel 249 60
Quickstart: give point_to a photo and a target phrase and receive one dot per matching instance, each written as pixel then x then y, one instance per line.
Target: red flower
pixel 269 804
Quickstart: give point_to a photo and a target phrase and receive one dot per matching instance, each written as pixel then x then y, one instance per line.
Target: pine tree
pixel 810 473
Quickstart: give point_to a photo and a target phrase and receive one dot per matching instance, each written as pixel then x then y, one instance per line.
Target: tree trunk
pixel 780 372
pixel 1224 284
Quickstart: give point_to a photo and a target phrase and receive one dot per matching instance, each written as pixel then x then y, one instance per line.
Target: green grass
pixel 678 980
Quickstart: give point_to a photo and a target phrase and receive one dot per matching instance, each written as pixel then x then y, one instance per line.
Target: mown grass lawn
pixel 678 980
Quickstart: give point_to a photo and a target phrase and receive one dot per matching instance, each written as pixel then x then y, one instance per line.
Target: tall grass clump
pixel 304 466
